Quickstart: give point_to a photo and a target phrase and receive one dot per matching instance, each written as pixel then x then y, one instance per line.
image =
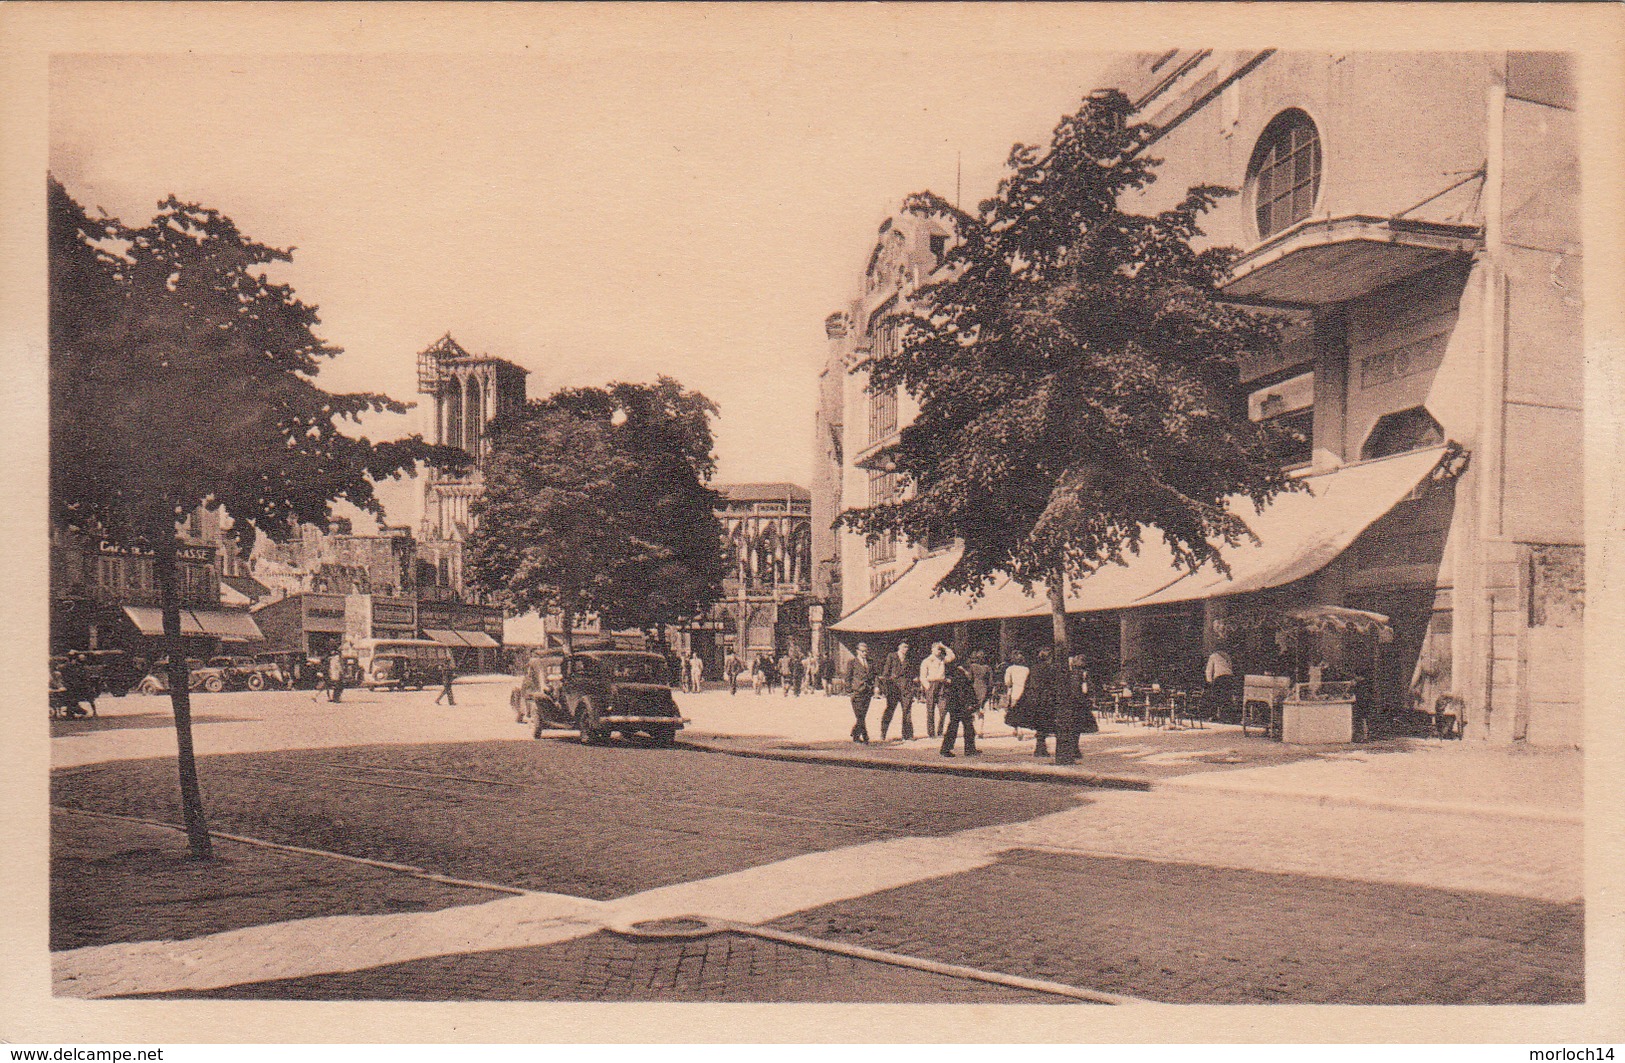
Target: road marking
pixel 331 944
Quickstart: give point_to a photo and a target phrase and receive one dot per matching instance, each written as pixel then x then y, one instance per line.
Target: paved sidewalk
pixel 1455 777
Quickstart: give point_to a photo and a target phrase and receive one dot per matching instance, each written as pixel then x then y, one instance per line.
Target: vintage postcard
pixel 556 523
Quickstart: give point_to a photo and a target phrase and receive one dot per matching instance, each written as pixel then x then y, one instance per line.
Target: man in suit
pixel 897 684
pixel 860 680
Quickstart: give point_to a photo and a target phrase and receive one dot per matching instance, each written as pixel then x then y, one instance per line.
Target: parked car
pixel 397 671
pixel 111 672
pixel 599 693
pixel 200 677
pixel 282 668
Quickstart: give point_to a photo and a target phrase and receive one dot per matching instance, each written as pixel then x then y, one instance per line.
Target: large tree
pixel 1076 372
pixel 181 376
pixel 595 504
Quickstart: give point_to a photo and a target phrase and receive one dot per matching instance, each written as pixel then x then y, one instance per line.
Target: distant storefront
pixel 474 632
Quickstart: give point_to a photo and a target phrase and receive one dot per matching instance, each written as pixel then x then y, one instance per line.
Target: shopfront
pixel 472 632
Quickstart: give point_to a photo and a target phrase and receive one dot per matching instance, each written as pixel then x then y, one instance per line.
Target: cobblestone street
pixel 511 857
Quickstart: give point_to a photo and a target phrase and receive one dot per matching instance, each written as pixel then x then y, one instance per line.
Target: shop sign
pixel 493 624
pixel 707 625
pixel 199 554
pixel 394 614
pixel 434 614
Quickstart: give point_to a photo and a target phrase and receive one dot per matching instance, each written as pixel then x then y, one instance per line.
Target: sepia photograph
pixel 815 505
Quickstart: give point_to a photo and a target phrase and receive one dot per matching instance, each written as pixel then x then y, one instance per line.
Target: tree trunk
pixel 1072 717
pixel 165 569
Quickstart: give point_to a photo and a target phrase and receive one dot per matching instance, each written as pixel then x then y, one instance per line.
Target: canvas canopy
pixel 1298 535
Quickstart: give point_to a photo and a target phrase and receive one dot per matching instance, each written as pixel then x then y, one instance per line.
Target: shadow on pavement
pixel 135 721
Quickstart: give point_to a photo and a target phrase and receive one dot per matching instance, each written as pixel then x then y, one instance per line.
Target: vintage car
pixel 239 673
pixel 397 671
pixel 112 672
pixel 200 677
pixel 599 693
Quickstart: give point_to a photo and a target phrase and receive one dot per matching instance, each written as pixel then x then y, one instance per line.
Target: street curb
pixel 1392 804
pixel 1054 776
pixel 1142 784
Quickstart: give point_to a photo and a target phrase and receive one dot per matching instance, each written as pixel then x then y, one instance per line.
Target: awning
pixel 227 625
pixel 444 637
pixel 208 623
pixel 1299 534
pixel 479 640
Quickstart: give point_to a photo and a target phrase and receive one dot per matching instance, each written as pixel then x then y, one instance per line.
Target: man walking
pixel 787 673
pixel 731 667
pixel 696 672
pixel 897 684
pixel 447 674
pixel 934 681
pixel 335 678
pixel 959 696
pixel 860 680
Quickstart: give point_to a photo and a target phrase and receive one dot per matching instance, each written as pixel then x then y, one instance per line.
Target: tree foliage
pixel 1076 372
pixel 595 503
pixel 182 376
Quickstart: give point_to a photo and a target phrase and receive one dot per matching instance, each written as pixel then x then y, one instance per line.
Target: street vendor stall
pixel 1317 711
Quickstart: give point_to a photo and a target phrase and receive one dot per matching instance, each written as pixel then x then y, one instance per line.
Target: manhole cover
pixel 683 926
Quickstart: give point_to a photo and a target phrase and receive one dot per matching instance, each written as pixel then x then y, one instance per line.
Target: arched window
pixel 1398 433
pixel 1283 178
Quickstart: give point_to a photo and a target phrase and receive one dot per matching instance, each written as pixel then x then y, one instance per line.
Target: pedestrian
pixel 981 679
pixel 1017 681
pixel 335 678
pixel 797 672
pixel 447 674
pixel 896 677
pixel 731 667
pixel 860 681
pixel 696 672
pixel 76 684
pixel 1220 674
pixel 809 672
pixel 933 682
pixel 960 700
pixel 758 674
pixel 787 671
pixel 1035 708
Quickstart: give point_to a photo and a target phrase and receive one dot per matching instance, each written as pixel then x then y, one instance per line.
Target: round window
pixel 1284 175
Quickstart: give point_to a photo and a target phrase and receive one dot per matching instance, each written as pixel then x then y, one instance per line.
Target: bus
pixel 400 663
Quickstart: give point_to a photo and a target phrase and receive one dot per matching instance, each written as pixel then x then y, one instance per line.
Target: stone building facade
pixel 1413 221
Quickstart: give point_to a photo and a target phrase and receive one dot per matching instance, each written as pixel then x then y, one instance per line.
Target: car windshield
pixel 634 668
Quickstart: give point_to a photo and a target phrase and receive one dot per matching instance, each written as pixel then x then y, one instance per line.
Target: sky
pixel 593 214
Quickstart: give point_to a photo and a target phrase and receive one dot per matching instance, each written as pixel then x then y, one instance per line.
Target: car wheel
pixel 587 723
pixel 256 682
pixel 214 684
pixel 150 686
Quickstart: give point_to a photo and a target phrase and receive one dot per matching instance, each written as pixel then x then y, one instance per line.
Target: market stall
pixel 1319 710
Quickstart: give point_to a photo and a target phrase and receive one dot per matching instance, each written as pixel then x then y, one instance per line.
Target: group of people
pixel 955 691
pixel 790 674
